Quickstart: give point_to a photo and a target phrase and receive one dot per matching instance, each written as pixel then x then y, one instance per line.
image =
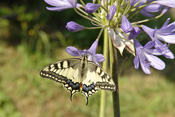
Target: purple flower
pixel 145 56
pixel 134 33
pixel 133 2
pixel 111 12
pixel 152 8
pixel 60 5
pixel 74 27
pixel 90 8
pixel 145 11
pixel 168 3
pixel 127 28
pixel 91 53
pixel 165 10
pixel 165 33
pixel 126 25
pixel 163 48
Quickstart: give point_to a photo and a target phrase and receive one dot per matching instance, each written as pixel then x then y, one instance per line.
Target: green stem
pixel 105 66
pixel 114 75
pixel 91 28
pixel 82 2
pixel 146 20
pixel 93 20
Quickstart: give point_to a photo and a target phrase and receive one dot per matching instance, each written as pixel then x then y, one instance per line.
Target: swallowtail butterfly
pixel 79 75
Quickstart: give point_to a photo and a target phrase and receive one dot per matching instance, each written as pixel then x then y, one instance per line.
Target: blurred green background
pixel 32 37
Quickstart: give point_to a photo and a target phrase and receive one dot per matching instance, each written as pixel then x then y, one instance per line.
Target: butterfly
pixel 79 75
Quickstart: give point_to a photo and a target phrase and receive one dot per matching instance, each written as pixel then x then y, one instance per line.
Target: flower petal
pixel 72 51
pixel 146 13
pixel 137 44
pixel 145 66
pixel 99 57
pixel 168 38
pixel 149 31
pixel 126 25
pixel 136 62
pixel 154 51
pixel 152 8
pixel 57 8
pixel 134 33
pixel 141 2
pixel 60 5
pixel 166 23
pixel 73 3
pixel 165 10
pixel 155 62
pixel 93 47
pixel 169 54
pixel 169 3
pixel 149 45
pixel 57 2
pixel 166 30
pixel 160 48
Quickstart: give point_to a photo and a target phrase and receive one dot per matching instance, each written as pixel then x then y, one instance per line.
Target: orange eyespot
pixel 81 86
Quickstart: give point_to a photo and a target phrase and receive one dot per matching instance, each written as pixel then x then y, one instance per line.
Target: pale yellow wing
pixel 96 78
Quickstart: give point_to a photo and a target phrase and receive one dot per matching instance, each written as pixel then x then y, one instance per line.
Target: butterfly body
pixel 79 75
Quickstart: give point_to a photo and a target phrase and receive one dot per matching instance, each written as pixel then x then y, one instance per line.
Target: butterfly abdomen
pixel 83 68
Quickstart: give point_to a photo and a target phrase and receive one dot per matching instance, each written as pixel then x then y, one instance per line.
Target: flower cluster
pixel 116 16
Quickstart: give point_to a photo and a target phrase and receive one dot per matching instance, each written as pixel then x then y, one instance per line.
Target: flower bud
pixel 111 12
pixel 126 25
pixel 74 27
pixel 91 8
